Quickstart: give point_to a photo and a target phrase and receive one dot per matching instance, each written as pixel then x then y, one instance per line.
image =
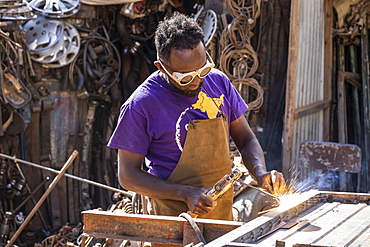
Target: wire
pixel 239 60
pixel 195 227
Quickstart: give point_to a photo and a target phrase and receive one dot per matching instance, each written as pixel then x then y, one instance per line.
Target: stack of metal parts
pixel 52 42
pixel 15 10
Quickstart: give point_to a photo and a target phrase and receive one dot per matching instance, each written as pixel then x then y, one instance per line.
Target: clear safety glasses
pixel 186 78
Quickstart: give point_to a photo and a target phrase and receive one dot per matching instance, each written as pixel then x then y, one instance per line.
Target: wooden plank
pixel 342 109
pixel 313 108
pixel 290 88
pixel 328 68
pixel 365 106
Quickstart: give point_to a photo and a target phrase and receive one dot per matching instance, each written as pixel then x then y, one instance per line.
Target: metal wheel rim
pixel 208 22
pixel 54 7
pixel 42 34
pixel 72 38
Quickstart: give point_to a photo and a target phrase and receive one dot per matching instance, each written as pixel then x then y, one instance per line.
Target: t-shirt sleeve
pixel 130 133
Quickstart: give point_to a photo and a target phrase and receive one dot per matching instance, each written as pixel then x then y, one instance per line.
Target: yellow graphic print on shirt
pixel 208 105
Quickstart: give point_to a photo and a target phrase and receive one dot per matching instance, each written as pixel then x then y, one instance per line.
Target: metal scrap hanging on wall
pixel 350 19
pixel 238 58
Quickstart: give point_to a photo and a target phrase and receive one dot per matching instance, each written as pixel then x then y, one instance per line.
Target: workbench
pixel 314 218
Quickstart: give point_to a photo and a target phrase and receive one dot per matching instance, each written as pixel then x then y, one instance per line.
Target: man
pixel 180 120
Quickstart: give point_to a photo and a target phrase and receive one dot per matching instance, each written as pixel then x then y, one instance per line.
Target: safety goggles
pixel 186 78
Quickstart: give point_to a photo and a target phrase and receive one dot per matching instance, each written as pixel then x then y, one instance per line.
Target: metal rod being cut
pixel 127 193
pixel 263 191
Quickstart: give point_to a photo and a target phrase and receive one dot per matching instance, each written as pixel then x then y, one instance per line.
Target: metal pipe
pixel 31 196
pixel 43 198
pixel 127 193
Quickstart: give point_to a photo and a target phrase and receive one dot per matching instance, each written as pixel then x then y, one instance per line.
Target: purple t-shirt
pixel 153 121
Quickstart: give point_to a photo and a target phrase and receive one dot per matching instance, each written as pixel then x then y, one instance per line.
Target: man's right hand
pixel 198 202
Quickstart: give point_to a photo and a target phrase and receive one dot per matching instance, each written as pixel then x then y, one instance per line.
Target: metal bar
pixel 42 199
pixel 263 191
pixel 31 195
pixel 150 228
pixel 127 193
pixel 313 206
pixel 346 197
pixel 251 231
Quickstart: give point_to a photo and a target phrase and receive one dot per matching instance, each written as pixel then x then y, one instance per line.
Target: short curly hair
pixel 180 32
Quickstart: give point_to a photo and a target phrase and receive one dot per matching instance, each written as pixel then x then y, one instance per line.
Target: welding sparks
pixel 289 200
pixel 295 192
pixel 298 190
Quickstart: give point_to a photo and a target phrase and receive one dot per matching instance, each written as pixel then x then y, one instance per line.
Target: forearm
pixel 133 178
pixel 253 158
pixel 249 147
pixel 146 184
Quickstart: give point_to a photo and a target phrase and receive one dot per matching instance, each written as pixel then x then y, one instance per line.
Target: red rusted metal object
pixel 151 228
pixel 331 156
pixel 314 218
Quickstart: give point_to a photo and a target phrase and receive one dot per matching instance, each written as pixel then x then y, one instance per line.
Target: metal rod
pixel 127 193
pixel 31 195
pixel 33 199
pixel 43 198
pixel 263 191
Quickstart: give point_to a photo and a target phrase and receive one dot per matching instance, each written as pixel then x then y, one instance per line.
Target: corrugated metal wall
pixel 306 97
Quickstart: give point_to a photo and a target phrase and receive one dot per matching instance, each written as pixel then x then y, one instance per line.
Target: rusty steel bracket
pixel 151 228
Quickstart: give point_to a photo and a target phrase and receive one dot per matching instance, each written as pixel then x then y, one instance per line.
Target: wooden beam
pixel 290 88
pixel 310 109
pixel 343 76
pixel 328 66
pixel 365 106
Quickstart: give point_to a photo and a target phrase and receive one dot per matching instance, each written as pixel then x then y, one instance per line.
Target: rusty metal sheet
pixel 330 156
pixel 150 228
pixel 306 85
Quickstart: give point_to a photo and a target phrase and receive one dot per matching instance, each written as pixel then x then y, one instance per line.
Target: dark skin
pixel 133 178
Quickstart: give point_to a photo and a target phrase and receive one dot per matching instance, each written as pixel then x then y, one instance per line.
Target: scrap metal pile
pixel 56 68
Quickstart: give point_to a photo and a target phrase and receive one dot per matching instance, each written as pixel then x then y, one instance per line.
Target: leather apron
pixel 205 160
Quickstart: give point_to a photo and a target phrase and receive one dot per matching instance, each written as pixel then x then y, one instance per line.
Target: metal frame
pixel 174 230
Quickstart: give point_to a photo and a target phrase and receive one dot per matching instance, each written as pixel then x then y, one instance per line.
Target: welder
pixel 178 124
